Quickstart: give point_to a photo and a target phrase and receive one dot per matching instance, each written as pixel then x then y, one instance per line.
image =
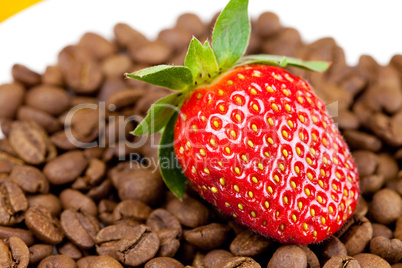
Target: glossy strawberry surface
pixel 259 144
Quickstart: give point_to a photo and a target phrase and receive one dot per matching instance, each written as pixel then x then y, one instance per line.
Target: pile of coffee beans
pixel 78 190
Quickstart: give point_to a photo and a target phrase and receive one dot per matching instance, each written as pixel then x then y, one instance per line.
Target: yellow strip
pixel 11 7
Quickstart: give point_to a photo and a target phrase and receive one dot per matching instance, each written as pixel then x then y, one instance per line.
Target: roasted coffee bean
pixel 249 244
pixel 388 128
pixel 93 175
pixel 48 201
pixel 163 262
pixel 371 184
pixel 366 162
pixel 131 209
pixel 101 191
pixel 312 260
pixel 398 229
pixel 125 36
pixel 8 161
pixel 80 227
pixel 30 179
pixel 388 249
pixel 104 261
pixel 341 262
pixel 151 53
pixel 143 105
pixel 214 257
pixel 123 100
pixel 13 204
pixel 24 75
pixel 176 38
pixel 116 65
pixel 358 140
pixel 386 206
pixel 371 261
pixel 361 207
pixel 190 212
pixel 381 230
pixel 38 252
pixel 357 236
pixel 169 242
pixel 288 256
pixel 347 120
pixel 96 46
pixel 86 261
pixel 138 247
pixel 161 219
pixel 45 120
pixel 70 250
pixel 53 76
pixel 207 237
pixel 267 24
pixel 286 42
pixel 23 234
pixel 238 262
pixel 111 86
pixel 76 200
pixel 31 142
pixel 11 97
pixel 387 166
pixel 38 217
pixel 49 99
pixel 57 261
pixel 331 247
pixel 13 253
pixel 191 23
pixel 94 152
pixel 105 208
pixel 65 168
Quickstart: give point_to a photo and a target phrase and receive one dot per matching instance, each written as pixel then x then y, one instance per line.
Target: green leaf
pixel 231 34
pixel 159 114
pixel 172 174
pixel 200 59
pixel 173 77
pixel 282 61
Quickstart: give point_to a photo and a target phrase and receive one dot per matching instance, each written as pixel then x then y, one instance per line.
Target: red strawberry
pixel 252 139
pixel 263 149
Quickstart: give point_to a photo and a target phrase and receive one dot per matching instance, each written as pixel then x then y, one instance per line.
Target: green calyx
pixel 202 64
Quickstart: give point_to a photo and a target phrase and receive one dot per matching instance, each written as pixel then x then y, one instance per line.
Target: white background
pixel 34 37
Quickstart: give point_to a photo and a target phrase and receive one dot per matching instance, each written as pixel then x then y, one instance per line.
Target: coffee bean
pixel 76 200
pixel 207 237
pixel 57 261
pixel 371 184
pixel 388 128
pixel 38 252
pixel 267 24
pixel 387 166
pixel 388 249
pixel 161 219
pixel 176 38
pixel 386 206
pixel 125 35
pixel 341 262
pixel 23 234
pixel 116 65
pixel 30 179
pixel 11 97
pixel 331 246
pixel 49 99
pixel 163 262
pixel 143 105
pixel 371 261
pixel 48 201
pixel 83 127
pixel 53 76
pixel 45 120
pixel 105 208
pixel 13 253
pixel 192 23
pixel 70 250
pixel 25 75
pixel 361 208
pixel 381 230
pixel 38 217
pixel 31 142
pixel 288 256
pixel 124 100
pixel 312 260
pixel 80 227
pixel 86 261
pixel 65 168
pixel 366 162
pixel 190 212
pixel 239 262
pixel 362 141
pixel 357 236
pixel 96 46
pixel 104 261
pixel 169 242
pixel 286 42
pixel 13 204
pixel 215 257
pixel 151 53
pixel 131 209
pixel 138 247
pixel 249 244
pixel 101 191
pixel 93 175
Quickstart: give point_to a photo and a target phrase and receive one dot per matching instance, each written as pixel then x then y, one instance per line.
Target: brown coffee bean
pixel 24 75
pixel 371 184
pixel 57 261
pixel 388 128
pixel 286 42
pixel 105 208
pixel 81 73
pixel 288 256
pixel 190 212
pixel 29 179
pixel 86 261
pixel 111 86
pixel 207 237
pixel 101 191
pixel 398 229
pixel 386 206
pixel 163 262
pixel 125 36
pixel 366 162
pixel 94 152
pixel 388 249
pixel 76 200
pixel 31 142
pixel 23 234
pixel 11 97
pixel 6 147
pixel 341 262
pixel 8 161
pixel 357 236
pixel 124 100
pixel 65 168
pixel 131 209
pixel 80 227
pixel 104 261
pixel 361 208
pixel 93 175
pixel 362 141
pixel 53 76
pixel 143 105
pixel 381 230
pixel 83 126
pixel 331 247
pixel 215 257
pixel 347 120
pixel 161 219
pixel 169 242
pixel 151 53
pixel 367 260
pixel 50 99
pixel 387 166
pixel 70 250
pixel 48 201
pixel 13 253
pixel 43 225
pixel 198 261
pixel 45 120
pixel 312 260
pixel 176 38
pixel 38 252
pixel 238 262
pixel 96 46
pixel 249 244
pixel 267 24
pixel 192 23
pixel 116 65
pixel 13 204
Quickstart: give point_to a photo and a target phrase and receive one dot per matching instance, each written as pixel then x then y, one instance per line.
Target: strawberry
pixel 251 138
